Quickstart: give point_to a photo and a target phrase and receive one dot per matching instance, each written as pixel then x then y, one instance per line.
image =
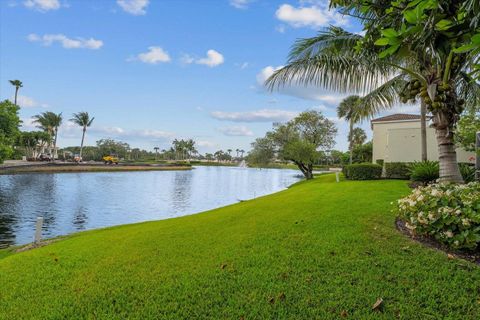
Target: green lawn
pixel 318 250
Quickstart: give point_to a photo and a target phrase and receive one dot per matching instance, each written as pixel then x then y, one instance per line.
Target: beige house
pixel 396 138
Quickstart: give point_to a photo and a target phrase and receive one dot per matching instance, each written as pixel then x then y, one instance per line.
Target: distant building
pixel 396 138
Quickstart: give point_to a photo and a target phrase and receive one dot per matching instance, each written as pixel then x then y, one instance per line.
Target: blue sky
pixel 154 70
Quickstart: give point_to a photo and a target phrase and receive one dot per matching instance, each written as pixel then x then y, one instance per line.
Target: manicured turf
pixel 319 250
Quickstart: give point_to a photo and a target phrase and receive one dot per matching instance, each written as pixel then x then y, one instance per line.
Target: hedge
pixel 362 171
pixel 397 170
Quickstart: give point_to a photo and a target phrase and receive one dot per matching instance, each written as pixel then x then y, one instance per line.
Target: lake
pixel 71 202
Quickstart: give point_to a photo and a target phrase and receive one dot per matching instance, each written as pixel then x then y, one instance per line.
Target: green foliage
pixel 298 140
pixel 449 213
pixel 362 171
pixel 9 123
pixel 262 153
pixel 32 141
pixel 424 171
pixel 468 172
pixel 380 162
pixel 397 170
pixel 363 153
pixel 112 147
pixel 467 127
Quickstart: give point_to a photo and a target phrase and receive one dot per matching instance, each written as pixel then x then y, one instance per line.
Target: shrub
pixel 425 171
pixel 397 170
pixel 447 212
pixel 380 162
pixel 362 171
pixel 468 172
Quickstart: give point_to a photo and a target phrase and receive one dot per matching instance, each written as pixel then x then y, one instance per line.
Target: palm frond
pixel 343 73
pixel 384 97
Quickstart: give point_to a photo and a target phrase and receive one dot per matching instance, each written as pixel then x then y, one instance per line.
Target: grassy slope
pixel 327 247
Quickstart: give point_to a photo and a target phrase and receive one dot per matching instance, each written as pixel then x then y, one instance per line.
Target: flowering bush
pixel 449 213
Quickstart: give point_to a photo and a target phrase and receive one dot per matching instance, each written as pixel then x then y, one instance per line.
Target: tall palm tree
pixel 17 84
pixel 83 120
pixel 357 137
pixel 334 61
pixel 49 122
pixel 350 110
pixel 156 152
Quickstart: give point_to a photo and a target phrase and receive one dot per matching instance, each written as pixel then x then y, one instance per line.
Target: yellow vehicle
pixel 110 159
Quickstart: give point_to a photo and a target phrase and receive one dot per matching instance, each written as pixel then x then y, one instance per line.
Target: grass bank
pixel 64 168
pixel 319 250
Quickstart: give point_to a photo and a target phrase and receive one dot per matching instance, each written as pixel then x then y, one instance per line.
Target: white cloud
pixel 213 59
pixel 135 7
pixel 206 144
pixel 241 131
pixel 263 115
pixel 67 43
pixel 154 55
pixel 28 102
pixel 42 5
pixel 299 91
pixel 240 4
pixel 315 16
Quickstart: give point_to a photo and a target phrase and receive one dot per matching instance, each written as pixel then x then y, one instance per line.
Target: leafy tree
pixel 411 50
pixel 350 110
pixel 112 147
pixel 299 139
pixel 363 152
pixel 32 142
pixel 262 153
pixel 467 127
pixel 17 84
pixel 83 120
pixel 9 123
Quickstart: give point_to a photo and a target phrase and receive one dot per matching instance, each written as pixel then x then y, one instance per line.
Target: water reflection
pixel 81 201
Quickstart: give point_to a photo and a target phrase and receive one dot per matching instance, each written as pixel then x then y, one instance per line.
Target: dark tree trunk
pixel 16 94
pixel 423 130
pixel 350 144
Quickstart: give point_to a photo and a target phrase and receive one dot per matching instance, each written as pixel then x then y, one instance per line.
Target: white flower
pixel 449 234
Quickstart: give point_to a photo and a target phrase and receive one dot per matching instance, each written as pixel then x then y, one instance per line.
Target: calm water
pixel 71 202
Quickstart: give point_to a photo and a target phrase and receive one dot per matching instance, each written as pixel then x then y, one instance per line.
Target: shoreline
pixel 74 168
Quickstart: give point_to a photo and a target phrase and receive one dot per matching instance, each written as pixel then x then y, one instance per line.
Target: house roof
pixel 397 117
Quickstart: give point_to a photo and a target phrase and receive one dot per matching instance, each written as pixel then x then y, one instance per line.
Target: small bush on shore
pixel 397 170
pixel 363 171
pixel 447 212
pixel 425 171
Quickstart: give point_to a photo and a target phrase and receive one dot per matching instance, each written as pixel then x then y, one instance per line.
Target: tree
pixel 112 147
pixel 411 49
pixel 262 153
pixel 156 152
pixel 33 142
pixel 17 84
pixel 299 139
pixel 83 120
pixel 350 110
pixel 242 152
pixel 467 127
pixel 357 137
pixel 9 123
pixel 49 122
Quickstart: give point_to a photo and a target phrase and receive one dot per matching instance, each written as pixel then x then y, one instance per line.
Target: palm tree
pixel 242 151
pixel 350 110
pixel 333 60
pixel 357 137
pixel 237 151
pixel 49 122
pixel 156 152
pixel 229 151
pixel 17 84
pixel 83 120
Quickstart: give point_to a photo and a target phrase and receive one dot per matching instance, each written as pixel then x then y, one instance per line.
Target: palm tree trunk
pixel 350 144
pixel 81 145
pixel 55 143
pixel 16 94
pixel 423 129
pixel 447 156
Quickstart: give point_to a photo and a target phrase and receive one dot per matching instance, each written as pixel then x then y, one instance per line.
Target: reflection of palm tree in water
pixel 181 191
pixel 80 218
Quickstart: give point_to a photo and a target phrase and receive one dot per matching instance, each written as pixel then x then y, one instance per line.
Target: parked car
pixel 45 157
